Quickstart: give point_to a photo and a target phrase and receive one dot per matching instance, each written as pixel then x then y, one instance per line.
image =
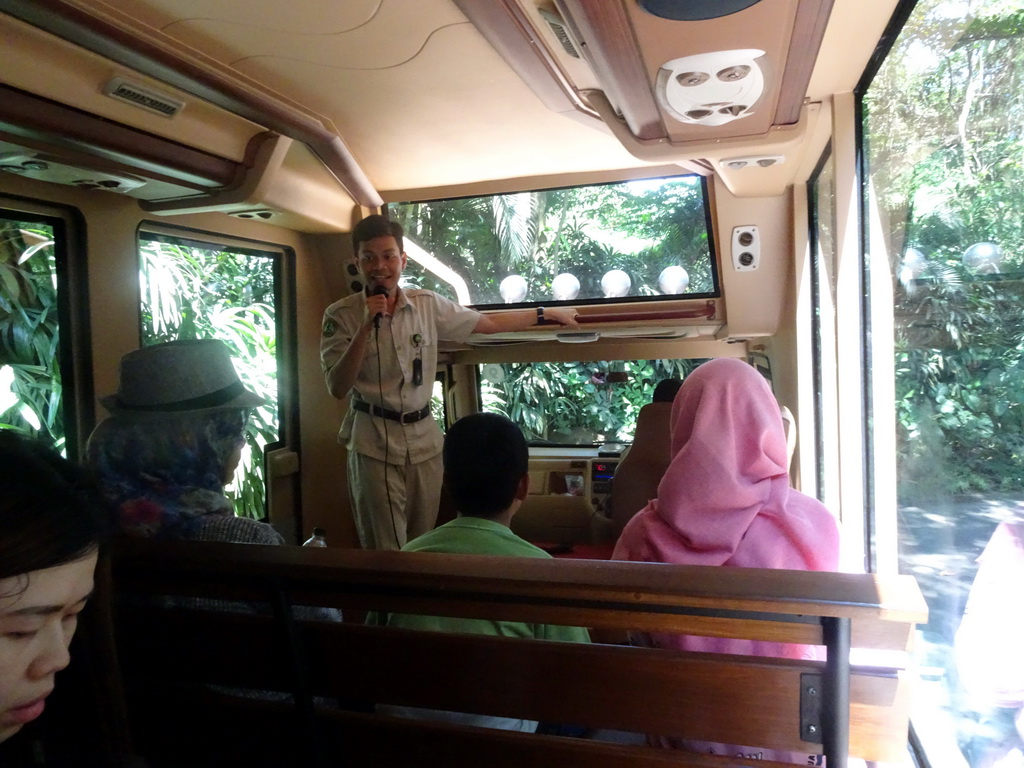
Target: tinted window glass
pixel 195 292
pixel 579 403
pixel 31 384
pixel 624 241
pixel 944 206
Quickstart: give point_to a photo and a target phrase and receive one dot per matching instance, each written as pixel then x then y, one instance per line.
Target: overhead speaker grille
pixel 141 96
pixel 746 248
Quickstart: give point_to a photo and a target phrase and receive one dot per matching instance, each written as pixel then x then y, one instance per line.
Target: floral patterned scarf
pixel 165 475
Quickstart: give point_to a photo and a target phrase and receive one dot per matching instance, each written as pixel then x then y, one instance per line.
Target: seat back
pixel 641 469
pixel 310 687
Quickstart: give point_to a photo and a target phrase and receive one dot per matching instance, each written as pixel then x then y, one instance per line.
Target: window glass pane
pixel 30 375
pixel 195 292
pixel 945 203
pixel 437 402
pixel 823 288
pixel 635 239
pixel 579 403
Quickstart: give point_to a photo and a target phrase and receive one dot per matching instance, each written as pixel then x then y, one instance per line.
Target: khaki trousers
pixel 393 503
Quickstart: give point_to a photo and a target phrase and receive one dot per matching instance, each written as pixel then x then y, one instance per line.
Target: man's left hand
pixel 565 316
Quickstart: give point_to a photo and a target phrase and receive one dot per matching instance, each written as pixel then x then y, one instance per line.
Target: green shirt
pixel 479 536
pixel 475 536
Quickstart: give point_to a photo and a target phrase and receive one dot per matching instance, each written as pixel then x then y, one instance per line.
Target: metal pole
pixel 836 706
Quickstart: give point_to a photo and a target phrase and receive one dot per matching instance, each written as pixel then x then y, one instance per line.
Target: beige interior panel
pixel 756 298
pixel 423 100
pixel 662 40
pixel 309 195
pixel 485 123
pixel 845 51
pixel 42 64
pixel 319 17
pixel 309 37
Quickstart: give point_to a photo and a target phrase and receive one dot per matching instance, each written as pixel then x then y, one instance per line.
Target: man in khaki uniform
pixel 382 347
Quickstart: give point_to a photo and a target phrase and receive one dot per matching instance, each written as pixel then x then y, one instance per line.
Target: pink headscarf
pixel 725 497
pixel 725 500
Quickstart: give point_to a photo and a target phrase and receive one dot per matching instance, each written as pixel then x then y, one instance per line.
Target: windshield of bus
pixel 609 243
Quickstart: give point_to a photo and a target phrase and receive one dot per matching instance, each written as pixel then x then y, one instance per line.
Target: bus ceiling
pixel 385 100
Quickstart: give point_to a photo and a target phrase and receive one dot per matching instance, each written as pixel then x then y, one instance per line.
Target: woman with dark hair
pixel 52 522
pixel 173 440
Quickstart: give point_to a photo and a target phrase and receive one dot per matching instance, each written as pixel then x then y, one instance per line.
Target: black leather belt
pixel 409 417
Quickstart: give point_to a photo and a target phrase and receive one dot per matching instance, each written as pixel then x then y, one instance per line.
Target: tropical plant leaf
pixel 191 292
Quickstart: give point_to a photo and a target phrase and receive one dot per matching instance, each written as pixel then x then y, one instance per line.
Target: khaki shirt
pixel 421 320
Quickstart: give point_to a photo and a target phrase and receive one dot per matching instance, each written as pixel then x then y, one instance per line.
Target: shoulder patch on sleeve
pixel 330 327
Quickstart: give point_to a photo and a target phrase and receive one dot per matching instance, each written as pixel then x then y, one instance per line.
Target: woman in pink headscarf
pixel 725 500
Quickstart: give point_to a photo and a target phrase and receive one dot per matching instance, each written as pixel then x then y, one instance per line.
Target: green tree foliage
pixel 30 377
pixel 639 227
pixel 947 166
pixel 578 403
pixel 197 293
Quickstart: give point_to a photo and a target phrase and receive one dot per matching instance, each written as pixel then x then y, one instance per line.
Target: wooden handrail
pixel 648 596
pixel 708 311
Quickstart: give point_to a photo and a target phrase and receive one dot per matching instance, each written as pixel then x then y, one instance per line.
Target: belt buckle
pixel 404 418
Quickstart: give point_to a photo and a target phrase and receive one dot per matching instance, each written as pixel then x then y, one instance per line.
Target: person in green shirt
pixel 486 465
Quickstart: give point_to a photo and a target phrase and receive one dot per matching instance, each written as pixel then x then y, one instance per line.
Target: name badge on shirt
pixel 417 363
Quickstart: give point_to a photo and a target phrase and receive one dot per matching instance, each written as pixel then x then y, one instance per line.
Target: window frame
pixel 286 334
pixel 73 319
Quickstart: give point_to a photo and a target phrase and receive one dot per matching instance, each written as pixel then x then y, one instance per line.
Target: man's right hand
pixel 376 304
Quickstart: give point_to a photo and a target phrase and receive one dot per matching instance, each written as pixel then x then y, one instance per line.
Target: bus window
pixel 943 206
pixel 578 403
pixel 638 239
pixel 199 290
pixel 438 408
pixel 35 338
pixel 823 325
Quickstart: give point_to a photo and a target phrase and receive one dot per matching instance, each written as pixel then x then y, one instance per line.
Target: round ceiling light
pixel 694 10
pixel 565 287
pixel 615 283
pixel 673 280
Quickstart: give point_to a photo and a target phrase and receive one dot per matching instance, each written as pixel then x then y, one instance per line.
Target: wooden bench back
pixel 184 660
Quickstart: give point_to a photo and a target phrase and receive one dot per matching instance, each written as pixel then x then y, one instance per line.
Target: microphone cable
pixel 387 439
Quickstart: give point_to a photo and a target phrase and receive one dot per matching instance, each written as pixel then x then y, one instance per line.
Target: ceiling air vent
pixel 558 29
pixel 262 214
pixel 752 161
pixel 141 96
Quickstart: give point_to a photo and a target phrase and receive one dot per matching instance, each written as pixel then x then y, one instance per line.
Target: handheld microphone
pixel 380 290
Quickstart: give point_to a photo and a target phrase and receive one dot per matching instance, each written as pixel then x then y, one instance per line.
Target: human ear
pixel 523 488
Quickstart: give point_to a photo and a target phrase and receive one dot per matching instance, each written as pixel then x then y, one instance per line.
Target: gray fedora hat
pixel 179 378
